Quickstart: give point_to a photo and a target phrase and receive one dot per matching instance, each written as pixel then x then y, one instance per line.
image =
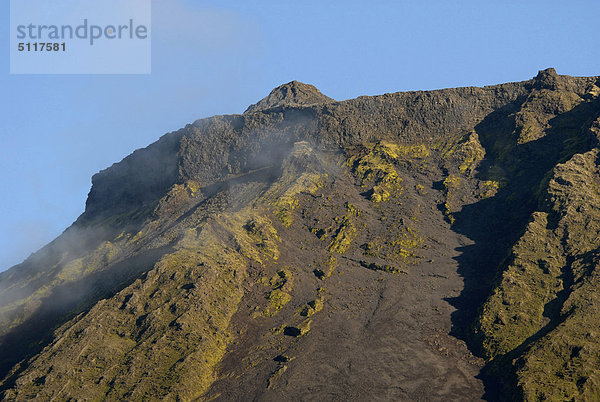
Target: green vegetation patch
pixel 515 311
pixel 451 185
pixel 265 236
pixel 346 232
pixel 375 169
pixel 286 202
pixel 402 248
pixel 313 306
pixel 280 295
pixel 543 315
pixel 468 152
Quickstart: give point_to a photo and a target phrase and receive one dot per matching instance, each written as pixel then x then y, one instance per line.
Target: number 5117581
pixel 42 47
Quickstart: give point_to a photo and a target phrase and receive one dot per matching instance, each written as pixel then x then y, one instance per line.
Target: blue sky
pixel 217 57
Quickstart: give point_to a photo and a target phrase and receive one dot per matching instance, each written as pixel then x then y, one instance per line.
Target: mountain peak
pixel 547 79
pixel 293 93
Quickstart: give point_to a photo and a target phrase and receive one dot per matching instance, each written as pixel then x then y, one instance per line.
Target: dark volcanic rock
pixel 547 79
pixel 291 94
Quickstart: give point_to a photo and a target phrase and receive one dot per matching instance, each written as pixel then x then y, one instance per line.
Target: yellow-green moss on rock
pixel 282 284
pixel 376 169
pixel 286 202
pixel 346 232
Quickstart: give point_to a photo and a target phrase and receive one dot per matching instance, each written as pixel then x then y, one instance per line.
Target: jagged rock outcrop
pixel 291 94
pixel 317 249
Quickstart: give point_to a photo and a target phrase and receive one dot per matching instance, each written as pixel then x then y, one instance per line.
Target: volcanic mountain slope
pixel 314 249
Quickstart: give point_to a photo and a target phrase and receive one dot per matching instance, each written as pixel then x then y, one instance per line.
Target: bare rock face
pixel 291 94
pixel 547 79
pixel 411 246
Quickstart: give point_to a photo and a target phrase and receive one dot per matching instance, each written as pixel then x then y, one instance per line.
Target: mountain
pixel 420 245
pixel 291 94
